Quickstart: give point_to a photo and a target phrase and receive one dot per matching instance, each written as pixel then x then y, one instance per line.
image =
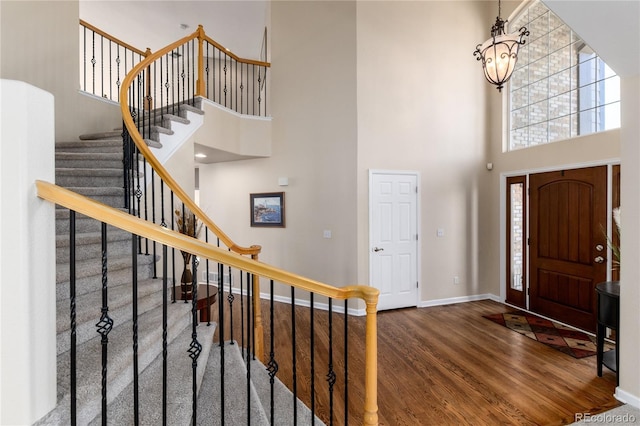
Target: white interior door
pixel 393 237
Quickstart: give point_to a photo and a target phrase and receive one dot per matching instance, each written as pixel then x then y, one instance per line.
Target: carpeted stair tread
pixel 100 160
pixel 89 245
pixel 101 135
pixel 153 144
pixel 102 146
pixel 235 391
pixel 179 384
pixel 283 398
pixel 113 234
pixel 119 302
pixel 120 367
pixel 90 268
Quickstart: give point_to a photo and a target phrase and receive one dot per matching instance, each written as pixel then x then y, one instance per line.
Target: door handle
pixel 377 249
pixel 599 259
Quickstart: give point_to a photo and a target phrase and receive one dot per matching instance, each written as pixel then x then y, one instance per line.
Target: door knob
pixel 599 247
pixel 599 259
pixel 377 249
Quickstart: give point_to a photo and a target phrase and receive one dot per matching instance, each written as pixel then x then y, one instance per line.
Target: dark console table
pixel 608 317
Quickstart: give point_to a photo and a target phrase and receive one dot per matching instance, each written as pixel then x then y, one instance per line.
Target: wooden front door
pixel 567 243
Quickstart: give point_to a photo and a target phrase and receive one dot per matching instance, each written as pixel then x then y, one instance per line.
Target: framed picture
pixel 267 209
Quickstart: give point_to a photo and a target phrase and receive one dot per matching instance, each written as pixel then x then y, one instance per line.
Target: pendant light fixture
pixel 500 53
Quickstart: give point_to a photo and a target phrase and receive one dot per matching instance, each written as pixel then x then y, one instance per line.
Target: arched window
pixel 560 87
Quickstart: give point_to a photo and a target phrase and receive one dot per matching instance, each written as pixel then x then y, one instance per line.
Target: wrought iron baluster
pixel 242 301
pixel 272 366
pixel 153 220
pixel 72 319
pixel 173 252
pixel 206 239
pixel 221 338
pixel 225 78
pixel 248 349
pixel 102 65
pixel 206 71
pixel 230 299
pixel 93 62
pixel 241 87
pixel 105 324
pixel 110 71
pixel 84 59
pixel 331 375
pixel 164 333
pixel 118 71
pixel 293 355
pixel 134 306
pixel 195 348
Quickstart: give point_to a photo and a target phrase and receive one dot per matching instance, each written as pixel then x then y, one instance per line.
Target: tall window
pixel 560 87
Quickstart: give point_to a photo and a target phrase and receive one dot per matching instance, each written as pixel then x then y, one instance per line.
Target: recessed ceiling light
pixel 201 155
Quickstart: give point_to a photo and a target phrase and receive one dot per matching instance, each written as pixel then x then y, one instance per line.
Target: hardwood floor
pixel 442 365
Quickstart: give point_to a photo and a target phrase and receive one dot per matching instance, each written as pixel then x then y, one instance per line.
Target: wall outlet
pixel 456 280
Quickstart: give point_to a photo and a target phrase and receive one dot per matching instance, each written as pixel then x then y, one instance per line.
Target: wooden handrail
pixel 112 38
pixel 143 228
pixel 153 161
pixel 234 56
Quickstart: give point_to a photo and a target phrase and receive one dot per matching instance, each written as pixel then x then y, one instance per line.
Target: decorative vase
pixel 186 281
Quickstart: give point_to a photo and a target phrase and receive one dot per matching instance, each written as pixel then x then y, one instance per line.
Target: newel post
pixel 200 86
pixel 371 361
pixel 258 331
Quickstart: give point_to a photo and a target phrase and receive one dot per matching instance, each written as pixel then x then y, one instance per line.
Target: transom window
pixel 560 87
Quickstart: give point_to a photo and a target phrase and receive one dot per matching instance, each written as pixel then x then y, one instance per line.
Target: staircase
pixel 92 166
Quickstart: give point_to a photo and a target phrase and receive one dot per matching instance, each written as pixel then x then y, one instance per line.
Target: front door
pixel 393 224
pixel 567 243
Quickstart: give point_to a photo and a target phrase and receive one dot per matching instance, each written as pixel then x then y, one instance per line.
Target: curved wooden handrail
pixel 153 161
pixel 112 38
pixel 234 56
pixel 143 228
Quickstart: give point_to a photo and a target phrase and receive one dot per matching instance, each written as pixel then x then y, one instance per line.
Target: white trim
pixel 462 299
pixel 418 221
pixel 237 114
pixel 627 398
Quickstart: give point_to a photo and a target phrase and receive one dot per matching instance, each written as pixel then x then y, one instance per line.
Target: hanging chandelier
pixel 500 53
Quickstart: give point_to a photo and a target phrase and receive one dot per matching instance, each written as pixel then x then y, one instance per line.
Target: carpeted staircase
pixel 92 166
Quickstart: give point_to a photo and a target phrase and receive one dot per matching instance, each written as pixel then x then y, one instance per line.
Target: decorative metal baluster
pixel 241 86
pixel 230 299
pixel 102 65
pixel 93 61
pixel 221 337
pixel 105 324
pixel 72 310
pixel 153 219
pixel 248 351
pixel 272 366
pixel 293 355
pixel 236 109
pixel 206 71
pixel 164 332
pixel 182 76
pixel 118 72
pixel 84 59
pixel 346 364
pixel 225 78
pixel 134 315
pixel 242 299
pixel 251 337
pixel 313 356
pixel 146 203
pixel 259 93
pixel 173 251
pixel 110 72
pixel 331 375
pixel 195 347
pixel 219 79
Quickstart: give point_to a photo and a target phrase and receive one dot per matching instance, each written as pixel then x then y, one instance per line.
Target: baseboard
pixel 461 299
pixel 337 307
pixel 627 398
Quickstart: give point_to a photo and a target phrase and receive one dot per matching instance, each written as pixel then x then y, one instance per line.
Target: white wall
pixel 44 52
pixel 313 79
pixel 27 226
pixel 422 106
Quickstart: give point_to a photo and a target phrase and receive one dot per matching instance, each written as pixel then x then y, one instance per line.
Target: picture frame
pixel 267 209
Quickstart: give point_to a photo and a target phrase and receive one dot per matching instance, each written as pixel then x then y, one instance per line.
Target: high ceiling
pixel 238 24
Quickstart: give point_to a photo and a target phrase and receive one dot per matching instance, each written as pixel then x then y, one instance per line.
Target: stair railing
pixel 165 83
pixel 105 61
pixel 335 370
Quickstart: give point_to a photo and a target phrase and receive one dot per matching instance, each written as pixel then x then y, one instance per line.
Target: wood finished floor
pixel 441 365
